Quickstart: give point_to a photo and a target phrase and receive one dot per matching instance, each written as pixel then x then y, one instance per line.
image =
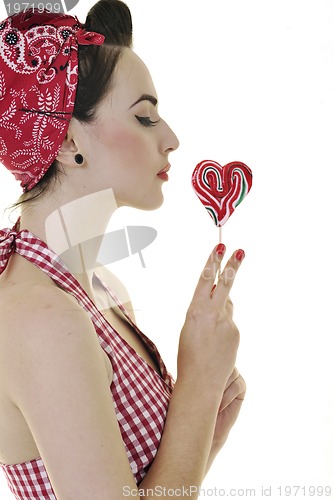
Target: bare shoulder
pixel 43 325
pixel 31 307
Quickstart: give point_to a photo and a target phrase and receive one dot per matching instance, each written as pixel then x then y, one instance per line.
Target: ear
pixel 69 148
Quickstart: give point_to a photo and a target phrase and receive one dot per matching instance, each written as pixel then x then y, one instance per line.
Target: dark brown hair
pixel 111 18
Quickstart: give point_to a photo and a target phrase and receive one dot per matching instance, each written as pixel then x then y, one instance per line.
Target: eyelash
pixel 146 121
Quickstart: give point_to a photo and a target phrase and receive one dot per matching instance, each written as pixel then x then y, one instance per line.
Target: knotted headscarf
pixel 38 81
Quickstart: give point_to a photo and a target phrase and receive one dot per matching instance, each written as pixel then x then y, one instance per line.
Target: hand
pixel 230 406
pixel 209 338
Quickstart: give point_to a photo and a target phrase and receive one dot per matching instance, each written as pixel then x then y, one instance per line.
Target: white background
pixel 252 81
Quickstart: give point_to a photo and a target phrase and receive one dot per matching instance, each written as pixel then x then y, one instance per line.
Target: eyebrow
pixel 145 97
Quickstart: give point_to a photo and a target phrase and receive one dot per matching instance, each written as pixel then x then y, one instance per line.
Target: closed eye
pixel 146 121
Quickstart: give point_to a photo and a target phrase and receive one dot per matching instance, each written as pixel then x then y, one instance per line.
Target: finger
pixel 232 378
pixel 208 275
pixel 229 307
pixel 236 390
pixel 227 278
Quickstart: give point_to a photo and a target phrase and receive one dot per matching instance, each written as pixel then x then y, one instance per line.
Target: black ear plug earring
pixel 79 159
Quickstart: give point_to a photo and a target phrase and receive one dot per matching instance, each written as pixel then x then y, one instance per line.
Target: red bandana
pixel 38 81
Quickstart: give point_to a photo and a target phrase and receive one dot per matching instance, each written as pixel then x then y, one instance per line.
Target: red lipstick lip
pixel 165 169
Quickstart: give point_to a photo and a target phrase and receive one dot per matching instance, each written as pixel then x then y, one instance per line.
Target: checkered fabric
pixel 141 396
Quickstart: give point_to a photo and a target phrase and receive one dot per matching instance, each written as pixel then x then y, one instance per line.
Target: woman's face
pixel 129 144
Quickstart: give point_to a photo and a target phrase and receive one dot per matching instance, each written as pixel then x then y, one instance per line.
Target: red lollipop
pixel 221 189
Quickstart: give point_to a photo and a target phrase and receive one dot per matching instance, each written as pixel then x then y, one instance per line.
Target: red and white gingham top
pixel 141 396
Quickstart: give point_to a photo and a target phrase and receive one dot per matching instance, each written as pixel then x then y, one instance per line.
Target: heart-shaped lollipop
pixel 221 189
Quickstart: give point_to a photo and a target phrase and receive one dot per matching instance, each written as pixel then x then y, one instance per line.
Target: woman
pixel 85 415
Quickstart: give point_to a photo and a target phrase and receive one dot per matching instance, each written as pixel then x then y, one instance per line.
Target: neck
pixel 73 229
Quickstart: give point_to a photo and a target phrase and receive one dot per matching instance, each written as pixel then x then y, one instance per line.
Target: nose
pixel 170 140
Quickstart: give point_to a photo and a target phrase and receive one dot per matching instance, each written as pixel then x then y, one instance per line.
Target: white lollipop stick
pixel 220 241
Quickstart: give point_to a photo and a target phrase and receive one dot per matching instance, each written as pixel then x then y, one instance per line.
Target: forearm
pixel 185 446
pixel 215 449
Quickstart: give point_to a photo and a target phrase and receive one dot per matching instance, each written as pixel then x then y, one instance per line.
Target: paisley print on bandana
pixel 38 81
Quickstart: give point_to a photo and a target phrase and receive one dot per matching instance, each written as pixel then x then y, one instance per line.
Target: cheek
pixel 127 161
pixel 126 146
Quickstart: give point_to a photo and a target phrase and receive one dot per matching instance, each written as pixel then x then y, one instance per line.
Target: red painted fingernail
pixel 220 249
pixel 240 254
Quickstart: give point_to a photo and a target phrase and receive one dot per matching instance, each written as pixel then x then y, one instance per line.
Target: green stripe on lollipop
pixel 244 188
